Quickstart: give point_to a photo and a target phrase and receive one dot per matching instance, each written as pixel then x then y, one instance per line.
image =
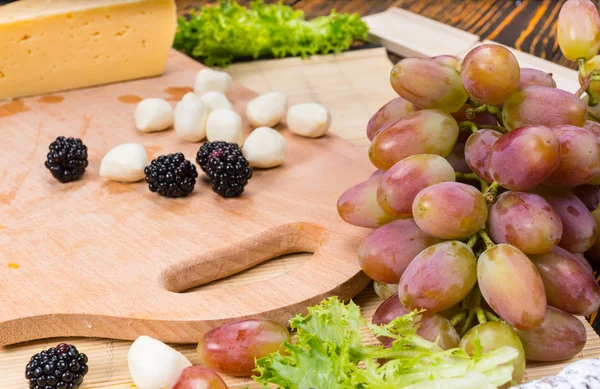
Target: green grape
pixel 428 83
pixel 449 60
pixel 358 205
pixel 531 77
pixel 490 74
pixel 560 337
pixel 429 131
pixel 388 115
pixel 512 286
pixel 450 210
pixel 492 336
pixel 543 106
pixel 400 184
pixel 439 277
pixel 579 29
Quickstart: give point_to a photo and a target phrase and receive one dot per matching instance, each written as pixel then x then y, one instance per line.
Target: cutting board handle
pixel 213 265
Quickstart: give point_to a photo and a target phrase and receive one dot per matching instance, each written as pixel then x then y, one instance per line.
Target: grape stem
pixel 481 318
pixel 491 317
pixel 471 177
pixel 470 126
pixel 473 112
pixel 456 319
pixel 474 127
pixel 489 243
pixel 586 80
pixel 475 302
pixel 497 128
pixel 472 240
pixel 491 192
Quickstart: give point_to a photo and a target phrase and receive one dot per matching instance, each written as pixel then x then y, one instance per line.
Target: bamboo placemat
pixel 353 86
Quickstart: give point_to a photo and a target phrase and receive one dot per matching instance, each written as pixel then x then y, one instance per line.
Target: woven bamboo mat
pixel 353 86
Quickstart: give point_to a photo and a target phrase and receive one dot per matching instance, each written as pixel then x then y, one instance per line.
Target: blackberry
pixel 225 166
pixel 60 367
pixel 171 175
pixel 67 159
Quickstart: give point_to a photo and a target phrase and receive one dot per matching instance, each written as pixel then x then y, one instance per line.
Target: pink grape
pixel 579 227
pixel 429 131
pixel 429 327
pixel 400 184
pixel 439 277
pixel 512 286
pixel 579 29
pixel 387 115
pixel 531 77
pixel 492 336
pixel 523 158
pixel 543 106
pixel 579 157
pixel 593 127
pixel 560 337
pixel 583 260
pixel 358 205
pixel 567 282
pixel 450 210
pixel 590 65
pixel 477 152
pixel 428 83
pixel 484 118
pixel 526 221
pixel 449 60
pixel 457 159
pixel 387 251
pixel 232 348
pixel 490 74
pixel 589 195
pixel 195 377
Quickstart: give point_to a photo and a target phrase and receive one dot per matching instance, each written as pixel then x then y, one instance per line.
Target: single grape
pixel 387 115
pixel 523 158
pixel 583 260
pixel 484 118
pixel 590 65
pixel 579 157
pixel 232 348
pixel 568 284
pixel 543 106
pixel 195 377
pixel 579 228
pixel 457 159
pixel 589 195
pixel 594 251
pixel 450 210
pixel 358 205
pixel 385 291
pixel 579 29
pixel 492 336
pixel 400 184
pixel 387 251
pixel 477 152
pixel 531 77
pixel 490 74
pixel 449 60
pixel 428 83
pixel 526 221
pixel 560 337
pixel 512 286
pixel 593 127
pixel 429 131
pixel 439 277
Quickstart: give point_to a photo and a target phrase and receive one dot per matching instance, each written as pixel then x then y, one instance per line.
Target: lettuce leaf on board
pixel 328 353
pixel 217 35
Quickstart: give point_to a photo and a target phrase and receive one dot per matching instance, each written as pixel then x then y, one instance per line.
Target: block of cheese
pixel 52 45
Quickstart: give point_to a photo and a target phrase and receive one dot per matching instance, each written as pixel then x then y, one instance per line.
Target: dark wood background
pixel 528 25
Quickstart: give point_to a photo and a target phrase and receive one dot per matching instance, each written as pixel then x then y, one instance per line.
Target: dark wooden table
pixel 528 25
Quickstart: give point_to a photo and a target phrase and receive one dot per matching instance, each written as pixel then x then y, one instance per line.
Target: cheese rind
pixel 53 45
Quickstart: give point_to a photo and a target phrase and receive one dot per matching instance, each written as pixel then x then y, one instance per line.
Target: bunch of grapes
pixel 486 197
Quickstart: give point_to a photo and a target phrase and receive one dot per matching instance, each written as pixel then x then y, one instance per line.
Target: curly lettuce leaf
pixel 217 35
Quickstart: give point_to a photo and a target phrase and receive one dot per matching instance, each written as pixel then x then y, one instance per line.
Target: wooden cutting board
pixel 95 258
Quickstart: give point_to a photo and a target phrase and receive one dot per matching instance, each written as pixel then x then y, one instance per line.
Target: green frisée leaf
pixel 329 353
pixel 217 35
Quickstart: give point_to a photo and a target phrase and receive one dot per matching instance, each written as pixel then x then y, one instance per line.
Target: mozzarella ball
pixel 309 119
pixel 211 80
pixel 267 109
pixel 225 125
pixel 214 100
pixel 153 115
pixel 124 163
pixel 190 118
pixel 265 148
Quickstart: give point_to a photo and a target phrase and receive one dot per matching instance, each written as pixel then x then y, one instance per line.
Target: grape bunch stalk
pixel 486 202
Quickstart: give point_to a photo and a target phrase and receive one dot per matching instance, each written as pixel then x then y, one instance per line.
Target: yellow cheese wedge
pixel 52 45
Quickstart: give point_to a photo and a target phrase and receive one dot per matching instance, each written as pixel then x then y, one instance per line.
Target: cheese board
pixel 95 258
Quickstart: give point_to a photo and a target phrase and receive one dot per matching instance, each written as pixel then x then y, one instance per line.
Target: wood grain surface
pixel 100 258
pixel 528 25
